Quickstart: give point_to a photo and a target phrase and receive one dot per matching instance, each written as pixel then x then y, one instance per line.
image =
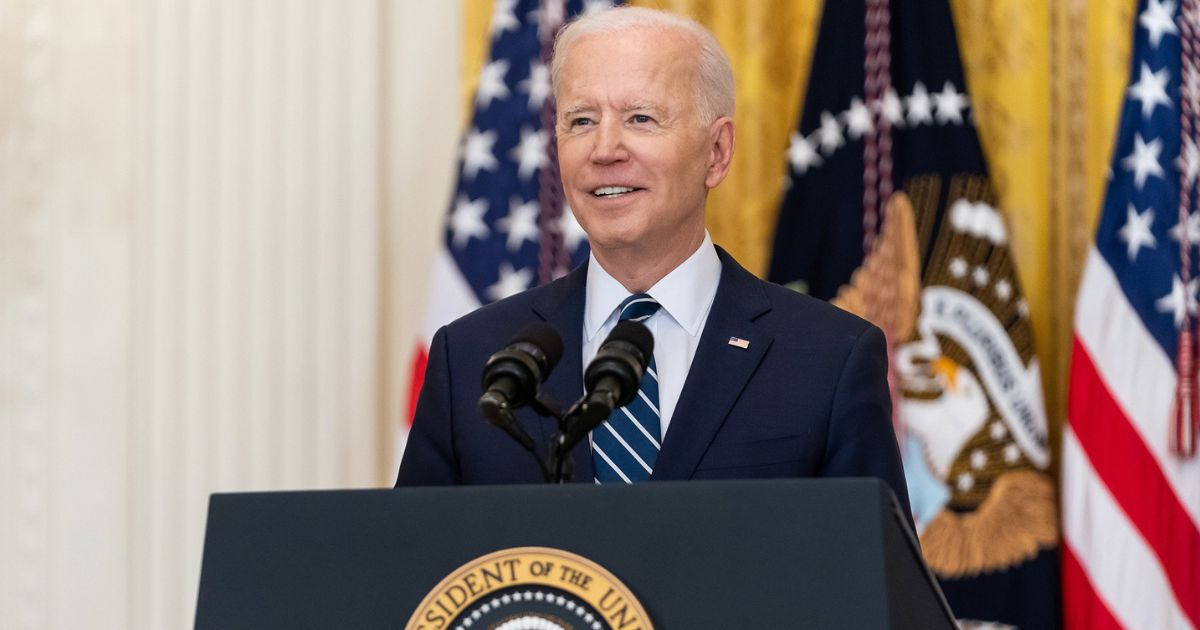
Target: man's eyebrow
pixel 575 110
pixel 630 106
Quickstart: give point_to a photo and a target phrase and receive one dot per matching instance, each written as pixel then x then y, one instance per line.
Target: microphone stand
pixel 581 418
pixel 574 423
pixel 559 466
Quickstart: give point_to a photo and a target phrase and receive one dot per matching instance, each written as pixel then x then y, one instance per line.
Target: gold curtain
pixel 1046 82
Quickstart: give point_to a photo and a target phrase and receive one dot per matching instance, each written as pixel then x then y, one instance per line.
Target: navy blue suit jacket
pixel 807 398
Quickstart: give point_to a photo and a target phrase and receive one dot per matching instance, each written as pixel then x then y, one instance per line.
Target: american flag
pixel 507 229
pixel 1130 476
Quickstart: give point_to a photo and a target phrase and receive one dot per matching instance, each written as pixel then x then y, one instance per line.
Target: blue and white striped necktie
pixel 626 446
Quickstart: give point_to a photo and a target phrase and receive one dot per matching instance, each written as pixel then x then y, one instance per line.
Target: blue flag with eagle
pixel 890 214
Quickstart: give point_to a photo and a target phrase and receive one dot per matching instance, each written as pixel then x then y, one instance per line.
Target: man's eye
pixel 580 122
pixel 641 119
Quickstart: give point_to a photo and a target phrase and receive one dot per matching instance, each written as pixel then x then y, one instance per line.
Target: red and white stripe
pixel 1131 507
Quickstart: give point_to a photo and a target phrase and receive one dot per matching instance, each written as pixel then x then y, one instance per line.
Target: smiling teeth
pixel 611 190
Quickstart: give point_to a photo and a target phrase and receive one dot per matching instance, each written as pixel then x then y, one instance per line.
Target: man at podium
pixel 747 380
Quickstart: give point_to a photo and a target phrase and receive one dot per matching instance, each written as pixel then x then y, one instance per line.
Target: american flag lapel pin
pixel 738 342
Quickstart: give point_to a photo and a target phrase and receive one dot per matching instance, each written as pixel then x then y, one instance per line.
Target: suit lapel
pixel 562 308
pixel 719 371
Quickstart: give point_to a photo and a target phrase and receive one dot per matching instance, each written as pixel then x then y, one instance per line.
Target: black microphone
pixel 511 376
pixel 613 377
pixel 611 380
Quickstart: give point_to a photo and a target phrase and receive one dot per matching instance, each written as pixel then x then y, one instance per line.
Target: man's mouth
pixel 613 191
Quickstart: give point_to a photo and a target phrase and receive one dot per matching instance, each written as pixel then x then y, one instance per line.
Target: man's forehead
pixel 658 46
pixel 653 33
pixel 639 66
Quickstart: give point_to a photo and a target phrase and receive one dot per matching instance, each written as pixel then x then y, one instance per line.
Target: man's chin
pixel 615 242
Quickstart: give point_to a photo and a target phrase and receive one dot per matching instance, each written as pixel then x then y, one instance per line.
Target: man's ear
pixel 720 157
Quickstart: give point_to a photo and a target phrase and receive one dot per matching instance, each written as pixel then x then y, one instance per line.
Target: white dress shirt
pixel 686 295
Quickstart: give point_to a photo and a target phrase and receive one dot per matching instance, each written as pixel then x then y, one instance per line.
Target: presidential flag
pixel 1130 474
pixel 889 212
pixel 508 228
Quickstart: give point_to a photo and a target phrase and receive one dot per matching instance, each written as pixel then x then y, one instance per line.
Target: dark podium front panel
pixel 739 554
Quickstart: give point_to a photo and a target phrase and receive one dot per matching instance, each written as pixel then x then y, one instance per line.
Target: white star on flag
pixel 858 119
pixel 802 154
pixel 530 152
pixel 1157 19
pixel 491 83
pixel 1151 89
pixel 1192 227
pixel 1136 232
pixel 595 6
pixel 919 106
pixel 1003 289
pixel 958 267
pixel 511 282
pixel 1144 160
pixel 466 221
pixel 548 17
pixel 891 108
pixel 504 17
pixel 1177 300
pixel 520 224
pixel 537 86
pixel 477 154
pixel 570 229
pixel 830 133
pixel 950 104
pixel 980 276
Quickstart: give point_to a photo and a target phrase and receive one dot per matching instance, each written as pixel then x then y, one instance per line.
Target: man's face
pixel 635 158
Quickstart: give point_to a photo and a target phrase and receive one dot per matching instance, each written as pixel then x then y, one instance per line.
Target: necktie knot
pixel 638 307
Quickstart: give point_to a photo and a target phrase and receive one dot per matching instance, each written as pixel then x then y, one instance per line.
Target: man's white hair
pixel 714 75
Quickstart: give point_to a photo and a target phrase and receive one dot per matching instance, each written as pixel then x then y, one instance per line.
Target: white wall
pixel 215 222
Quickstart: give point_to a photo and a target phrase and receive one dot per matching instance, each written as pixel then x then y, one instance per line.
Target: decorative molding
pixel 258 224
pixel 26 461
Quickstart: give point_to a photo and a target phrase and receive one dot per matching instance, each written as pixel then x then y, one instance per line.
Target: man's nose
pixel 610 143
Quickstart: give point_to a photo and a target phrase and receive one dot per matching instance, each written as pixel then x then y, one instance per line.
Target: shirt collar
pixel 685 294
